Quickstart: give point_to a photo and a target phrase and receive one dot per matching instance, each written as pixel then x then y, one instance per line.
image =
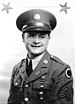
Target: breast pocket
pixel 42 83
pixel 17 84
pixel 42 89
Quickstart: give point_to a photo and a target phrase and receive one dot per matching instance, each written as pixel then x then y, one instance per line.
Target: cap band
pixel 37 24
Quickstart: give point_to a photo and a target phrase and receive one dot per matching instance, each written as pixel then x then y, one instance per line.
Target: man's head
pixel 36 26
pixel 36 42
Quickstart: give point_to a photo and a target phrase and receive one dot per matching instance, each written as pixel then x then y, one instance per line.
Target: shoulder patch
pixel 68 73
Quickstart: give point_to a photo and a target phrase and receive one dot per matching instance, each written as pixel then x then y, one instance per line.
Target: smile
pixel 35 46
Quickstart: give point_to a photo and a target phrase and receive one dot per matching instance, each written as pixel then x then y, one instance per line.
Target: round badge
pixel 68 73
pixel 36 16
pixel 45 61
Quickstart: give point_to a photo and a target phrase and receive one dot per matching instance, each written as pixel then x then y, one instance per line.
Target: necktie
pixel 28 67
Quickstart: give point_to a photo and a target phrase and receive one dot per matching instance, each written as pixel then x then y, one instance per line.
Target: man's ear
pixel 23 40
pixel 23 37
pixel 49 36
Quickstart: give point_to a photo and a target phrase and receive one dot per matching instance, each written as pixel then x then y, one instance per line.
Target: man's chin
pixel 34 54
pixel 37 53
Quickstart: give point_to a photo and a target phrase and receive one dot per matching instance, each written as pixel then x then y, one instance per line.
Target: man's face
pixel 36 43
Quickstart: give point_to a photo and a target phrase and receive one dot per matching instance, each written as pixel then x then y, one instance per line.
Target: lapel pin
pixel 45 61
pixel 36 73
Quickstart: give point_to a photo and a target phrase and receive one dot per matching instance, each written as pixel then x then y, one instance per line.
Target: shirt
pixel 36 60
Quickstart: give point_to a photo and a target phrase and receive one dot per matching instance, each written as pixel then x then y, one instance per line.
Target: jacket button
pixel 52 56
pixel 41 86
pixel 41 92
pixel 41 98
pixel 26 85
pixel 26 99
pixel 16 84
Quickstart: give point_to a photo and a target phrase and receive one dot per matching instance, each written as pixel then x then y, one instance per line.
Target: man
pixel 40 78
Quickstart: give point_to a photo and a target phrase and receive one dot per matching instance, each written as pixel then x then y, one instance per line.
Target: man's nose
pixel 36 40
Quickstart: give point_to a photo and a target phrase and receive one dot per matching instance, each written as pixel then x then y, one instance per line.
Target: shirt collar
pixel 36 60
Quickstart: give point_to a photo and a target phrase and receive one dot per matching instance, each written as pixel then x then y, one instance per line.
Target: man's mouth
pixel 35 46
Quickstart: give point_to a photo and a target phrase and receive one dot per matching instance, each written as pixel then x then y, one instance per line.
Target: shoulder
pixel 57 60
pixel 61 67
pixel 18 65
pixel 58 63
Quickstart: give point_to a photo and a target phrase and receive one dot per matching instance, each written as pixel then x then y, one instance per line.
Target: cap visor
pixel 35 28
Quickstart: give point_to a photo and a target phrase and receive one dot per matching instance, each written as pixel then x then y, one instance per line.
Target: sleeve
pixel 64 87
pixel 15 92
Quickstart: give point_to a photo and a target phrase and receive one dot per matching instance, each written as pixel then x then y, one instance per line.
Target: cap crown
pixel 36 19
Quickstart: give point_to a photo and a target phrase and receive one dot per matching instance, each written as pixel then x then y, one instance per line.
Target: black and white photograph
pixel 37 51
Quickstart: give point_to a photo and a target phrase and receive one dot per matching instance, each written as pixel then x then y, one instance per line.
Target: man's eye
pixel 31 35
pixel 42 36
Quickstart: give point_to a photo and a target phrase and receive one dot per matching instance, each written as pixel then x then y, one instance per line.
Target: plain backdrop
pixel 12 49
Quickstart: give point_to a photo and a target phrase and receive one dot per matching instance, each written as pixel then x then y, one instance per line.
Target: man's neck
pixel 36 59
pixel 32 56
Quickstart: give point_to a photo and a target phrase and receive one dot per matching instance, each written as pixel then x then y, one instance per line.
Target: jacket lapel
pixel 41 68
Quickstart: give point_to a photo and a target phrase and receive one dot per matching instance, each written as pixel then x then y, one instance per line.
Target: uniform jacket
pixel 50 83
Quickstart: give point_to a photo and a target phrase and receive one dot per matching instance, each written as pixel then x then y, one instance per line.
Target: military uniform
pixel 51 81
